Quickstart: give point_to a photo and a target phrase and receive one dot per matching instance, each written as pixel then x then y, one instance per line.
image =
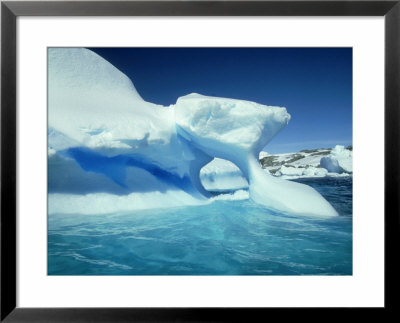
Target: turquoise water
pixel 222 238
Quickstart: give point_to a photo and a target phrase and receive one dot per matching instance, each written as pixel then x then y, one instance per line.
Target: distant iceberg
pixel 339 161
pixel 109 150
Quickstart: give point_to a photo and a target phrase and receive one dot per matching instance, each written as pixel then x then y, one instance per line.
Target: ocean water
pixel 235 237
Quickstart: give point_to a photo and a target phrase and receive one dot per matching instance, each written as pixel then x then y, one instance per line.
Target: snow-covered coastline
pixel 221 175
pixel 311 163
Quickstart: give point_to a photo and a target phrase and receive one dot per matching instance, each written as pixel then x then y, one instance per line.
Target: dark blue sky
pixel 314 84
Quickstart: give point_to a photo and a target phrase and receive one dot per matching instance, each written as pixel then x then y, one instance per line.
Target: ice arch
pixel 99 124
pixel 237 130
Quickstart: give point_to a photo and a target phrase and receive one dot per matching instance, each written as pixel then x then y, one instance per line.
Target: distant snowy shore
pixel 310 163
pixel 220 175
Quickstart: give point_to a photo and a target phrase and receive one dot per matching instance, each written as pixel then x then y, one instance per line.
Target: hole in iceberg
pixel 222 176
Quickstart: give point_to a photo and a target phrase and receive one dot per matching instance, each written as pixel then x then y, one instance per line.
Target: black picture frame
pixel 10 10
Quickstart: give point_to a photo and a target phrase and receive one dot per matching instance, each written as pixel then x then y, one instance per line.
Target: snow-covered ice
pixel 331 165
pixel 339 161
pixel 109 150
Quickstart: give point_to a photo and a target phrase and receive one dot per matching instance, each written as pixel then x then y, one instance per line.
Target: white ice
pixel 222 175
pixel 110 150
pixel 339 161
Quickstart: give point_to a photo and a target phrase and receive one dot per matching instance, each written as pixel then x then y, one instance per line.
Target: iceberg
pixel 331 164
pixel 339 161
pixel 109 150
pixel 286 172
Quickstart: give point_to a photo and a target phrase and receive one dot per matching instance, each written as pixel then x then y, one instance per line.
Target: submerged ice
pixel 109 150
